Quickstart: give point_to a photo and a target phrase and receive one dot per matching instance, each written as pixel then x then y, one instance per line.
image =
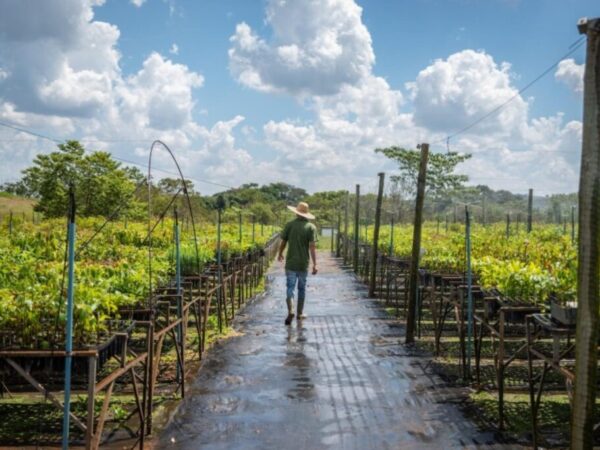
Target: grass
pixel 18 206
pixel 553 417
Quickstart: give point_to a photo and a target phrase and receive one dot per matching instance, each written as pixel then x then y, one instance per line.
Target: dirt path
pixel 340 379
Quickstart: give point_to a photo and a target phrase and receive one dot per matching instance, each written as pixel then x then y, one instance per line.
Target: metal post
pixel 469 290
pixel 416 248
pixel 219 311
pixel 356 226
pixel 375 251
pixel 69 330
pixel 179 329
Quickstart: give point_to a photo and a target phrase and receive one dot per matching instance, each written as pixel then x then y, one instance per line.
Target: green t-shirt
pixel 298 234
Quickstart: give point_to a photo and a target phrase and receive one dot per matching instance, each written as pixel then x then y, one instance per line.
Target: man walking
pixel 300 236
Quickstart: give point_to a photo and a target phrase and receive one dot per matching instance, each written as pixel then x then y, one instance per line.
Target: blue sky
pixel 299 90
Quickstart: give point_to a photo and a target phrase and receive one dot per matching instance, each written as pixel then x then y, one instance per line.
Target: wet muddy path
pixel 340 379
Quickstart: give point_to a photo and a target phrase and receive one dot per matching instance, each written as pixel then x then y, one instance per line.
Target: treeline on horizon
pixel 104 187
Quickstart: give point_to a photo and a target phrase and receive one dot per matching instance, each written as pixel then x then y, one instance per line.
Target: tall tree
pixel 441 178
pixel 99 181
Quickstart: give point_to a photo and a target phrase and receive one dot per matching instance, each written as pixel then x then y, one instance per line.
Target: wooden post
pixel 337 241
pixel 416 248
pixel 573 224
pixel 356 225
pixel 332 228
pixel 530 211
pixel 483 211
pixel 346 207
pixel 588 286
pixel 375 252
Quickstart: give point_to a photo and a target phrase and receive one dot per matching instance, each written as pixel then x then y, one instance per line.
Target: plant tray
pixel 566 315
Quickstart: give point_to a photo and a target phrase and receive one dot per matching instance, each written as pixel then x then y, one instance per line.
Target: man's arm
pixel 281 249
pixel 313 254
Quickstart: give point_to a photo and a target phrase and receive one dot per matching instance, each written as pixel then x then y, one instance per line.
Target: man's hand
pixel 315 270
pixel 280 257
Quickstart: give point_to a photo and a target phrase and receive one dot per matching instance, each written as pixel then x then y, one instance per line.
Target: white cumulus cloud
pixel 452 93
pixel 571 74
pixel 317 46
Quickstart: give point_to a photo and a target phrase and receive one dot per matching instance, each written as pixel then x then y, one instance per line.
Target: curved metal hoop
pixel 158 143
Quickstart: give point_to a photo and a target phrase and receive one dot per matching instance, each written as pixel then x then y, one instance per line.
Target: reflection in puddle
pixel 304 388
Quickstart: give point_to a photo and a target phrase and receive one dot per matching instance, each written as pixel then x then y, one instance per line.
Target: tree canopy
pixel 98 180
pixel 441 178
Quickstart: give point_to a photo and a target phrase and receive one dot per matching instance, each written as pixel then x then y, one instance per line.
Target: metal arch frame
pixel 189 204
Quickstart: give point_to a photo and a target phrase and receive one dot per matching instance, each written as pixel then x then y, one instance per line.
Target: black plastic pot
pixel 567 315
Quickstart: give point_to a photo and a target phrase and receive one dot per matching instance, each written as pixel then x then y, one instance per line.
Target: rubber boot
pixel 290 307
pixel 300 309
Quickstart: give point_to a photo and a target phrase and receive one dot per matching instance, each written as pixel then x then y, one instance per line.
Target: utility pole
pixel 375 252
pixel 356 226
pixel 413 284
pixel 530 210
pixel 588 285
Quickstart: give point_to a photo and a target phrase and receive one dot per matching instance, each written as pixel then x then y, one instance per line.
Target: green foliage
pixel 111 273
pixel 527 267
pixel 441 178
pixel 262 213
pixel 99 182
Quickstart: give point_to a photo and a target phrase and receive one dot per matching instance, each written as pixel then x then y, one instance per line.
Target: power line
pixel 573 48
pixel 126 161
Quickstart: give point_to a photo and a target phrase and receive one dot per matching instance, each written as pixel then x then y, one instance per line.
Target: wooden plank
pixel 119 373
pixel 45 353
pixel 102 417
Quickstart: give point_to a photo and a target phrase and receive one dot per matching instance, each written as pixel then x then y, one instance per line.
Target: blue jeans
pixel 291 277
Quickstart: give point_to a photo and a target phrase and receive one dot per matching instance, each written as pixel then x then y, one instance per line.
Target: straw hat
pixel 301 210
